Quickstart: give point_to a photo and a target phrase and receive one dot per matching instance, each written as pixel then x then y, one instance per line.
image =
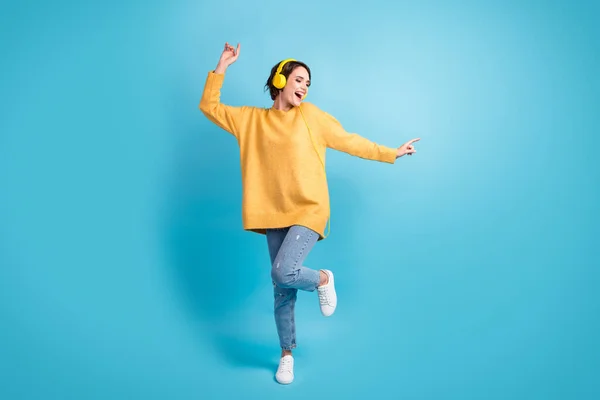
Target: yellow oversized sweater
pixel 283 180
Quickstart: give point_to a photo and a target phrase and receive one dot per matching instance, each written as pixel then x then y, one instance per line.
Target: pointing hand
pixel 407 148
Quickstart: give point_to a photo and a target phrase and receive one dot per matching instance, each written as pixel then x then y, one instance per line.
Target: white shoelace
pixel 323 296
pixel 285 365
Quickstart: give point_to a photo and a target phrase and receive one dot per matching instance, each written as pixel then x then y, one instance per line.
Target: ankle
pixel 286 353
pixel 324 278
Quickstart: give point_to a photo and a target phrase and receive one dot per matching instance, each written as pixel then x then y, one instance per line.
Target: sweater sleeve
pixel 225 116
pixel 338 139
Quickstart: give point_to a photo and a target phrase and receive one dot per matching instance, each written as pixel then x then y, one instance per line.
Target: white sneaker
pixel 285 372
pixel 327 295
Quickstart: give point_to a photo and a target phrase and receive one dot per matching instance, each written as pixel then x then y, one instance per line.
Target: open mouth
pixel 299 95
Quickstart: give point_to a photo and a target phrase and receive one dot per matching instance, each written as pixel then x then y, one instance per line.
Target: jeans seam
pixel 302 249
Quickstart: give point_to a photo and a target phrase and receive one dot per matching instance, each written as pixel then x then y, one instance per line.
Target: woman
pixel 284 186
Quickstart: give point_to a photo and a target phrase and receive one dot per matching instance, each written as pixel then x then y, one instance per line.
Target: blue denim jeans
pixel 288 248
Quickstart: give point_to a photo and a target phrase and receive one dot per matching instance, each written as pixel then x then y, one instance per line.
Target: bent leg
pixel 287 270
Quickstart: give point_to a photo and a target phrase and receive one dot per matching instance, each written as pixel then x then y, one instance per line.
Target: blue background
pixel 467 271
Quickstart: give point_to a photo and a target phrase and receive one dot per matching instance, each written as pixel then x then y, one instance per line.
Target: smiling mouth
pixel 299 95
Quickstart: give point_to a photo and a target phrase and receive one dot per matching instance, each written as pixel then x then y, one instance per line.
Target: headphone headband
pixel 282 64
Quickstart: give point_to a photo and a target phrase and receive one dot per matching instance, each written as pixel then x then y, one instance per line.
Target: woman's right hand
pixel 228 57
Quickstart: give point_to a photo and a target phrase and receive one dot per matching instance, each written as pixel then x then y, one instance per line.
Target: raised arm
pixel 225 116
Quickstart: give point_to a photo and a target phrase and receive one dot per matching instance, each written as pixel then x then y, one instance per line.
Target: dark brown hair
pixel 286 71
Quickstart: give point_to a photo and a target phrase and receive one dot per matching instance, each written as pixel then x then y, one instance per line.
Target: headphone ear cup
pixel 279 81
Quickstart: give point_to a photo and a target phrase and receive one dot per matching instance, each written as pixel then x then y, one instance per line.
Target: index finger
pixel 414 140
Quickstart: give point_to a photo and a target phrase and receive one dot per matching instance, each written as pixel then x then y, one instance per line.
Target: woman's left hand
pixel 407 148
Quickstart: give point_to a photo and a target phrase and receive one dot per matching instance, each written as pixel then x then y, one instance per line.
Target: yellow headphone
pixel 279 82
pixel 278 79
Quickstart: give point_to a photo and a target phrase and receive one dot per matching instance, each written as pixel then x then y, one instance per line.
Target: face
pixel 296 87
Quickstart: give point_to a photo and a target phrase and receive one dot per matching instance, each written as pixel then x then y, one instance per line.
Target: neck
pixel 279 104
